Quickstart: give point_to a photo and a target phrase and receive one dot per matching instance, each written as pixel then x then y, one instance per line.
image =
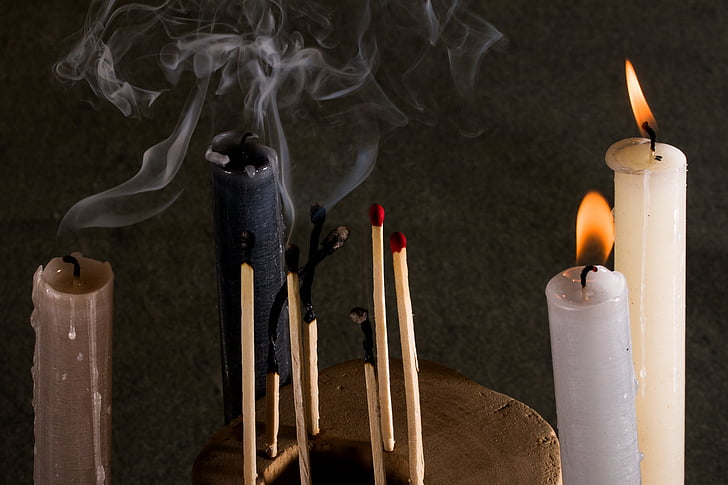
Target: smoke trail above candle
pixel 290 70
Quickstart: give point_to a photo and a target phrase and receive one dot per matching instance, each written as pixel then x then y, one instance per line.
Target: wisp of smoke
pixel 286 67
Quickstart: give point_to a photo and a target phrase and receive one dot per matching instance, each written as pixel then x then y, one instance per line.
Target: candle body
pixel 72 372
pixel 246 198
pixel 594 378
pixel 649 249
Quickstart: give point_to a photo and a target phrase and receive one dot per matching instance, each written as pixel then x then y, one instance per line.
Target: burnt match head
pixel 76 265
pixel 335 239
pixel 318 213
pixel 585 272
pixel 359 315
pixel 292 256
pixel 247 240
pixel 397 242
pixel 376 215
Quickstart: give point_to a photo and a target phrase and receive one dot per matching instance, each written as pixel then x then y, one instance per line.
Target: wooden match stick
pixel 294 325
pixel 272 414
pixel 247 341
pixel 376 215
pixel 361 317
pixel 398 244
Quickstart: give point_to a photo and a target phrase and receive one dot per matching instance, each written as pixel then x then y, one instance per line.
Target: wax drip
pixel 586 271
pixel 360 316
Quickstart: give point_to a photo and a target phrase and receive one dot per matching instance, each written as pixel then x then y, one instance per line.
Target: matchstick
pixel 398 244
pixel 376 215
pixel 247 341
pixel 361 317
pixel 272 415
pixel 310 329
pixel 294 325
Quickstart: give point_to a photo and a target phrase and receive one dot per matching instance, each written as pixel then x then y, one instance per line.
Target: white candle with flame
pixel 593 374
pixel 649 212
pixel 72 319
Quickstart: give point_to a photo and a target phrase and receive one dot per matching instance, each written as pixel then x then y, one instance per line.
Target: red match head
pixel 376 214
pixel 397 242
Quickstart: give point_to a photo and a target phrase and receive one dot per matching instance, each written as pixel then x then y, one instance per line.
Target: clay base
pixel 471 435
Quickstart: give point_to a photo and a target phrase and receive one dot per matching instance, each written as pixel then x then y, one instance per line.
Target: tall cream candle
pixel 72 318
pixel 649 249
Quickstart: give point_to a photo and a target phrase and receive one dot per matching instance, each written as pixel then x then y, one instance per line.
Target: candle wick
pixel 585 271
pixel 653 136
pixel 76 267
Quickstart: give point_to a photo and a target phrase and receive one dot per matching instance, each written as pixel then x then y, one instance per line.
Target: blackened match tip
pixel 335 239
pixel 318 213
pixel 76 265
pixel 397 242
pixel 292 256
pixel 585 271
pixel 359 315
pixel 376 215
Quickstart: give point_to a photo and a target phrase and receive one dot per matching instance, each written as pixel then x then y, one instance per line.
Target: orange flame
pixel 640 108
pixel 594 230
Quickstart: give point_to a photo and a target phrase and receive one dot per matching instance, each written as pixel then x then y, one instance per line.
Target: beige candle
pixel 72 319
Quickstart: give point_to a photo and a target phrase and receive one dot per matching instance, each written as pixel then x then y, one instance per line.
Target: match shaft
pixel 272 413
pixel 294 325
pixel 409 362
pixel 380 477
pixel 310 377
pixel 247 338
pixel 380 333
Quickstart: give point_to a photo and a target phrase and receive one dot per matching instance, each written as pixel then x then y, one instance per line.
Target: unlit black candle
pixel 246 198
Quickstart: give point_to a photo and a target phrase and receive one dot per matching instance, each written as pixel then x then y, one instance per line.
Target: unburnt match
pixel 376 216
pixel 398 245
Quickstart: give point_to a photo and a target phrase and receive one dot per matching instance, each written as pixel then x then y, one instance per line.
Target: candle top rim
pixel 633 156
pixel 237 150
pixel 602 286
pixel 95 275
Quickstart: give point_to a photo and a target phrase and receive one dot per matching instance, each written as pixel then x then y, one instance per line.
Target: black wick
pixel 653 136
pixel 318 217
pixel 76 265
pixel 585 271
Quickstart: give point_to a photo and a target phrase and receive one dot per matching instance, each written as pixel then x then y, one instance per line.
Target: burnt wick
pixel 586 271
pixel 653 136
pixel 360 316
pixel 76 265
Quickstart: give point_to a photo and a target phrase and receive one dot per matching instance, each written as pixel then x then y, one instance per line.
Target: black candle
pixel 246 198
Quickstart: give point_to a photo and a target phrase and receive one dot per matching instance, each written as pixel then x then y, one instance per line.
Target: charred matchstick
pixel 247 340
pixel 294 325
pixel 310 329
pixel 376 217
pixel 361 317
pixel 398 244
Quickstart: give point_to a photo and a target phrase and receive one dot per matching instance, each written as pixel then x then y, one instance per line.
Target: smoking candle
pixel 72 319
pixel 592 363
pixel 649 212
pixel 246 198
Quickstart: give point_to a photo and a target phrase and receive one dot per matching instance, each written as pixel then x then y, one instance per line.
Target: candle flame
pixel 640 108
pixel 594 230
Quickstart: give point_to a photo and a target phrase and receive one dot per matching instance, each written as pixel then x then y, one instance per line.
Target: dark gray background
pixel 489 219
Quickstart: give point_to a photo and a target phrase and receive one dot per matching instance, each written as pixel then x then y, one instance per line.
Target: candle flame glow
pixel 594 230
pixel 640 108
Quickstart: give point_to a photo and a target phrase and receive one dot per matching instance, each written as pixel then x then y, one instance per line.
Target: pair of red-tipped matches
pixel 398 245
